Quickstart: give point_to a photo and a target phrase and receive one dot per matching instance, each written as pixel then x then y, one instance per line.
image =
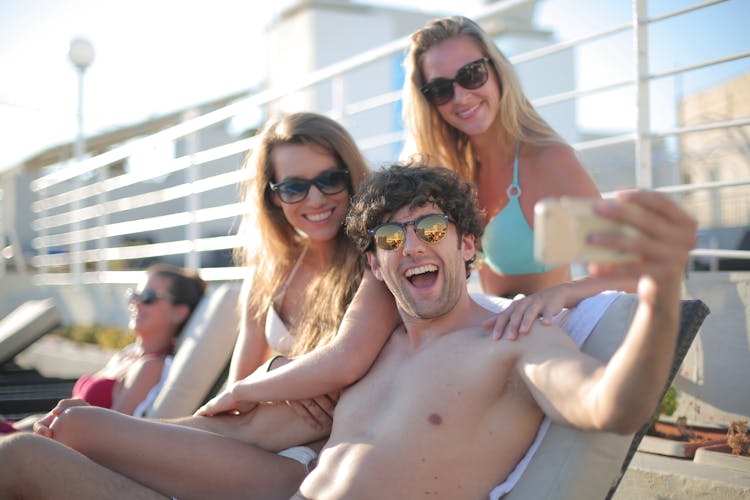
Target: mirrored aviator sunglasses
pixel 430 228
pixel 470 76
pixel 146 297
pixel 295 190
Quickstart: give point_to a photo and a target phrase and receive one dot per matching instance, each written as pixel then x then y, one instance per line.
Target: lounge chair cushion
pixel 205 348
pixel 25 325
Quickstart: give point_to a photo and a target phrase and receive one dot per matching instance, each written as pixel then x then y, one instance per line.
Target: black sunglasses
pixel 470 76
pixel 147 297
pixel 295 190
pixel 429 228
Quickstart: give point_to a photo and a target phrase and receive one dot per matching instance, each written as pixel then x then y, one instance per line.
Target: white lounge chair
pixel 25 325
pixel 201 359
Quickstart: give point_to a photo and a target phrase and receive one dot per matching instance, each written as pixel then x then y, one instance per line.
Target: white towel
pixel 578 323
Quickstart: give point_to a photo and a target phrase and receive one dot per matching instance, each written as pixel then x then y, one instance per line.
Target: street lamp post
pixel 81 55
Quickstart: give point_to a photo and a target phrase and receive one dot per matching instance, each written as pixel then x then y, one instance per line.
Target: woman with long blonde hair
pixel 464 108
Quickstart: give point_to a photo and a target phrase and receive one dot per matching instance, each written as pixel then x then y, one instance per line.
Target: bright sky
pixel 156 56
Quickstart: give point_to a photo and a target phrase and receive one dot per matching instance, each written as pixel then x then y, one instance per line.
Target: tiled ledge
pixel 658 477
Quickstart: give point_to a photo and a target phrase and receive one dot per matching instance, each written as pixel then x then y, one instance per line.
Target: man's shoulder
pixel 492 303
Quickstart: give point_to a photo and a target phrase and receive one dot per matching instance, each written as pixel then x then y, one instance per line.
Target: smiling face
pixel 160 315
pixel 319 216
pixel 426 279
pixel 471 111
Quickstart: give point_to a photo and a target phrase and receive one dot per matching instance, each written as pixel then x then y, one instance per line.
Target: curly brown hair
pixel 414 184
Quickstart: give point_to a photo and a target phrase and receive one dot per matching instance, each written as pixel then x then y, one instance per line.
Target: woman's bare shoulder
pixel 557 166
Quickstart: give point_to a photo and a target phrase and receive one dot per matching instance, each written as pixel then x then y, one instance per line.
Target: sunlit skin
pixel 319 216
pixel 156 317
pixel 425 278
pixel 471 111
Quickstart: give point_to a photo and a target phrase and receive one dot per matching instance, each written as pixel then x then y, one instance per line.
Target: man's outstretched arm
pixel 621 395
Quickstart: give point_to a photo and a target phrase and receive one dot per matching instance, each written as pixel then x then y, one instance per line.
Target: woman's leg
pixel 176 460
pixel 27 423
pixel 40 468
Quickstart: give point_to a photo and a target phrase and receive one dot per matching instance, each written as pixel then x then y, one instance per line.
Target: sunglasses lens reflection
pixel 430 228
pixel 328 183
pixel 470 76
pixel 389 237
pixel 331 182
pixel 293 191
pixel 473 75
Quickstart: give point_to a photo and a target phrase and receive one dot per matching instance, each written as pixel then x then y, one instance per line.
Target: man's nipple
pixel 435 419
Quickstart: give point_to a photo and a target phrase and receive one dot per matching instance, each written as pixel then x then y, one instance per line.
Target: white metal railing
pixel 88 194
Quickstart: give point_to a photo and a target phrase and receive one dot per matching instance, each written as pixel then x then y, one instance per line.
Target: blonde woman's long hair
pixel 273 245
pixel 442 143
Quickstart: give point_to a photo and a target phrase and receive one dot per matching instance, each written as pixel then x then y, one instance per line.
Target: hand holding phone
pixel 561 227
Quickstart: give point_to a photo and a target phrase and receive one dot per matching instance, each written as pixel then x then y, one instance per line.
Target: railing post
pixel 192 258
pixel 643 168
pixel 43 231
pixel 76 248
pixel 337 98
pixel 3 211
pixel 102 265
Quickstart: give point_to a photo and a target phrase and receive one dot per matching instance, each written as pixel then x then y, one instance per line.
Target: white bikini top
pixel 277 334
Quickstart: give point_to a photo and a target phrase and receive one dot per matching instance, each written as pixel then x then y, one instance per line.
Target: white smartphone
pixel 561 226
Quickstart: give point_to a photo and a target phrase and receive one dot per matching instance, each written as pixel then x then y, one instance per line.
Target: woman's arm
pixel 520 315
pixel 336 365
pixel 251 348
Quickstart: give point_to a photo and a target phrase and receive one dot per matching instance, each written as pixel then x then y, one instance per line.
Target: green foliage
pixel 668 404
pixel 108 337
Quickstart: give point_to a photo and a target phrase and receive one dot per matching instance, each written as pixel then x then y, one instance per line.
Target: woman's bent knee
pixel 21 455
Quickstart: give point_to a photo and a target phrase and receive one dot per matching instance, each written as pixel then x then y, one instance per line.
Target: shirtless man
pixel 445 411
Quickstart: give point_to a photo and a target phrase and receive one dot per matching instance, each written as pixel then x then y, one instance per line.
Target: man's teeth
pixel 320 216
pixel 430 268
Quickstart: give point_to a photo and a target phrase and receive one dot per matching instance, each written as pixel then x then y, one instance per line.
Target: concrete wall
pixel 713 382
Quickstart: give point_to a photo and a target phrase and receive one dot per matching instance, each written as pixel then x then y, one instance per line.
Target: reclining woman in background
pixel 158 311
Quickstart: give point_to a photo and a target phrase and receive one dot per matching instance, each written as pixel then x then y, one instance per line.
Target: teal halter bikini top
pixel 508 241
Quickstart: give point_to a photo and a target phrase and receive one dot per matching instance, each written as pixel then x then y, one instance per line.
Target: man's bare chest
pixel 450 381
